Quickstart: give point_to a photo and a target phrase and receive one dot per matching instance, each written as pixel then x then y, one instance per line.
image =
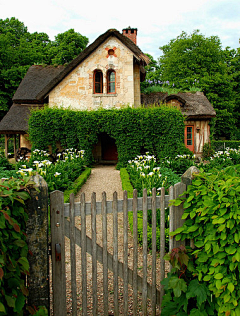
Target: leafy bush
pixel 207 152
pixel 211 211
pixel 13 256
pixel 159 130
pixel 184 294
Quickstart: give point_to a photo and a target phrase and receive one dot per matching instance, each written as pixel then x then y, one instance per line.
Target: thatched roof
pixel 194 105
pixel 16 119
pixel 33 85
pixel 40 80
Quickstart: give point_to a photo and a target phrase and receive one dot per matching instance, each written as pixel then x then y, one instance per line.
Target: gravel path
pixel 102 178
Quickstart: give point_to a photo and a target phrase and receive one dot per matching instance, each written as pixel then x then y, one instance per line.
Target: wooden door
pixel 189 137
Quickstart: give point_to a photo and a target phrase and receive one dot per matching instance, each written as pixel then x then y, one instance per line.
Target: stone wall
pixel 76 90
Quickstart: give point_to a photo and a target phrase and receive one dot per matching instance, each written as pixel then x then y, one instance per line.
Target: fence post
pixel 37 239
pixel 187 178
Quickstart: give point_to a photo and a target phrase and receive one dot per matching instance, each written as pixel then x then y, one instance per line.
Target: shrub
pixel 211 211
pixel 13 256
pixel 159 130
pixel 184 294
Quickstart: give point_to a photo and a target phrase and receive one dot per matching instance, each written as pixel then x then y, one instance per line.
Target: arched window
pixel 111 81
pixel 98 81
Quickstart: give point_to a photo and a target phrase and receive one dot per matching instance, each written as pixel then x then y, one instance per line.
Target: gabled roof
pixel 194 105
pixel 40 80
pixel 16 119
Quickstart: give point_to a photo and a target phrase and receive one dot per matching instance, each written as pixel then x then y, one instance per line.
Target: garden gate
pixel 128 267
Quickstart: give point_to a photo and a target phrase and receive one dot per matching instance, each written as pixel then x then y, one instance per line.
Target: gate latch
pixel 58 252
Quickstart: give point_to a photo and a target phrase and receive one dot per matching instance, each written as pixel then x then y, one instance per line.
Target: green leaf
pixel 2 308
pixel 218 276
pixel 10 301
pixel 218 284
pixel 19 243
pixel 230 287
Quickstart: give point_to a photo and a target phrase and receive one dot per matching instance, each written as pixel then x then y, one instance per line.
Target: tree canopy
pixel 196 62
pixel 19 49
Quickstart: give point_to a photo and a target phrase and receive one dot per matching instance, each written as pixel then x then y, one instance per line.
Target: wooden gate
pixel 137 282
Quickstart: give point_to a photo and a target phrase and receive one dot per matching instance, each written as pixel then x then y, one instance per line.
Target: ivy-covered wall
pixel 159 130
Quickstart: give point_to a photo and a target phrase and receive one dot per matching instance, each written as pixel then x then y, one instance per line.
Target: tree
pixel 195 59
pixel 66 46
pixel 20 49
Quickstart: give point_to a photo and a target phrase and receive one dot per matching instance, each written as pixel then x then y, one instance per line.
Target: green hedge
pixel 157 130
pixel 218 145
pixel 77 184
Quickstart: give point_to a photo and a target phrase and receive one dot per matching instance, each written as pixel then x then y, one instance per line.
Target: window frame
pixel 100 82
pixel 110 71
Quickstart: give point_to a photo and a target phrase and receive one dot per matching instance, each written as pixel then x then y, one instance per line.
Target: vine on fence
pixel 212 222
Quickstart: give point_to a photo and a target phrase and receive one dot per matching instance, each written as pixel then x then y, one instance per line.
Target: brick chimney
pixel 131 34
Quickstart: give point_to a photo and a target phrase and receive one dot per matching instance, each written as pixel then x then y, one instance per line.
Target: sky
pixel 157 21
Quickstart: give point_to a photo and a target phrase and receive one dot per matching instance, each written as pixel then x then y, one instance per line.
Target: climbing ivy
pixel 159 130
pixel 212 221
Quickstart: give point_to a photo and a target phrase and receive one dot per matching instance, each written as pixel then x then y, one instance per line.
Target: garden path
pixel 103 178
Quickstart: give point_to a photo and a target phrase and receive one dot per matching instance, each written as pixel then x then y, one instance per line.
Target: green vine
pixel 13 247
pixel 212 221
pixel 157 130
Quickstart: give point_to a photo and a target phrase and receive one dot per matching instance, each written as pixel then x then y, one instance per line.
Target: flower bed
pixel 60 174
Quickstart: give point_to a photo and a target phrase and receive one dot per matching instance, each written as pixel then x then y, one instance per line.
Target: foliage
pixel 223 124
pixel 126 184
pixel 180 163
pixel 184 294
pixel 20 49
pixel 59 175
pixel 158 130
pixel 211 211
pixel 145 173
pixel 196 58
pixel 13 247
pixel 207 151
pixel 222 144
pixel 66 46
pixel 77 184
pixel 222 159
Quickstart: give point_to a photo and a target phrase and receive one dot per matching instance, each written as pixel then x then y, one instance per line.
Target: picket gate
pixel 63 217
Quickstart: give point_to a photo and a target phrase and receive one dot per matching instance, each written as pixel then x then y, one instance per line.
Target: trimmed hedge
pixel 77 184
pixel 222 144
pixel 157 130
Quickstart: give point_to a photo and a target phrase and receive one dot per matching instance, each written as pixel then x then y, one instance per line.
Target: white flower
pixel 57 174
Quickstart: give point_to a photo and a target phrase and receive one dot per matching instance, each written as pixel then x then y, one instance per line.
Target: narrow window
pixel 98 81
pixel 111 81
pixel 189 138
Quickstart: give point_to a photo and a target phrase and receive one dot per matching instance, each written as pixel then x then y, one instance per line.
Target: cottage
pixel 197 111
pixel 106 74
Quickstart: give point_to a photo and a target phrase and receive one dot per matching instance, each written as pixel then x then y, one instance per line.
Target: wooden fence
pixel 63 224
pixel 133 277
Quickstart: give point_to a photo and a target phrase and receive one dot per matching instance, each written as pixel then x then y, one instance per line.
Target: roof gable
pixel 40 80
pixel 193 105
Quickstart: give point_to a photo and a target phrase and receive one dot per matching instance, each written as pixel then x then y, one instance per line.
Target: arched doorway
pixel 105 151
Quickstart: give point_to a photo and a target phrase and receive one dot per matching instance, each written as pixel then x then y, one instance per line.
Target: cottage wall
pixel 201 131
pixel 76 90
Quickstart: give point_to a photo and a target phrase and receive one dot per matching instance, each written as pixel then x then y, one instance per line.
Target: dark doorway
pixel 109 148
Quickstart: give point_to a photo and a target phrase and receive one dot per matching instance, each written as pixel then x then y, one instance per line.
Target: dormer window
pixel 98 81
pixel 111 81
